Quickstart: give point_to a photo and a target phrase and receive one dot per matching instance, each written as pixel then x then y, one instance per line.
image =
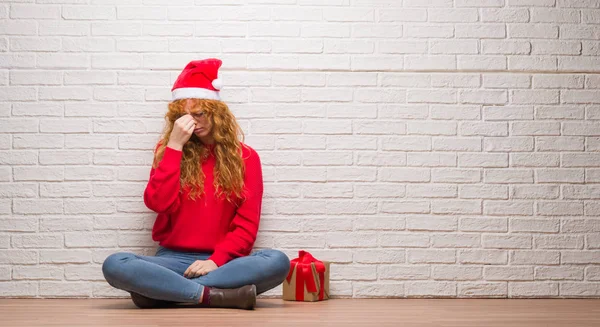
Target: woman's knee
pixel 112 267
pixel 279 262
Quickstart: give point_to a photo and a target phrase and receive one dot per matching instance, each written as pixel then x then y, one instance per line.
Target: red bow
pixel 304 274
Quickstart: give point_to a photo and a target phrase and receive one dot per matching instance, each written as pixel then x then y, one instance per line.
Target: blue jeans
pixel 161 276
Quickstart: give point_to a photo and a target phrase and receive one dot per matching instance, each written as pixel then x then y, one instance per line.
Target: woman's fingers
pixel 198 268
pixel 190 125
pixel 191 269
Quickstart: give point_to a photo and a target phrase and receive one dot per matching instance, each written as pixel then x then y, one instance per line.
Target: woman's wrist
pixel 175 146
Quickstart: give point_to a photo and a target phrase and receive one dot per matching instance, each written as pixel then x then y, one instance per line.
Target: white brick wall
pixel 427 148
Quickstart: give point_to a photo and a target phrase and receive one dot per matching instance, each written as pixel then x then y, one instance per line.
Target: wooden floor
pixel 336 312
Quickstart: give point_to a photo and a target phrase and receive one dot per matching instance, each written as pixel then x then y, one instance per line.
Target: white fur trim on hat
pixel 217 83
pixel 194 92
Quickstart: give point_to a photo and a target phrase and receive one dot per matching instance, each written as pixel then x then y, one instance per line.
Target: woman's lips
pixel 198 130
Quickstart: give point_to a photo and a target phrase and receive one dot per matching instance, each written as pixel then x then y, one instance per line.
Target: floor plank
pixel 336 312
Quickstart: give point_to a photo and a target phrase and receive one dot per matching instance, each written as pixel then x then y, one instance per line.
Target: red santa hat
pixel 199 79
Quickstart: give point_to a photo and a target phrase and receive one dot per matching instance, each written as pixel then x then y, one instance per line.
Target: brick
pixel 516 208
pixel 491 257
pixel 380 256
pixel 431 256
pixel 580 225
pixel 466 144
pixel 505 47
pixel 507 241
pixel 404 174
pixel 65 289
pixel 559 208
pixel 38 241
pixel 44 272
pixel 431 223
pixel 572 289
pixel 17 61
pixel 404 240
pixel 352 208
pixel 19 224
pixel 565 112
pixel 554 15
pixel 483 31
pixel 377 289
pixel 383 30
pixel 354 272
pixel 380 223
pixel 430 289
pixel 511 15
pixel 446 175
pixel 456 273
pixel 559 242
pixel 343 240
pixel 482 290
pixel 483 192
pixel 321 225
pixel 433 191
pixel 483 225
pixel 532 289
pixel 560 175
pixel 580 257
pixel 68 223
pixel 396 272
pixel 508 144
pixel 483 129
pixel 534 160
pixel 456 206
pixel 31 206
pixel 538 31
pixel 534 225
pixel 18 190
pixel 73 272
pixel 535 192
pixel 524 257
pixel 26 11
pixel 429 62
pixel 559 273
pixel 456 241
pixel 508 273
pixel 89 206
pixel 18 257
pixel 535 128
pixel 580 160
pixel 65 256
pixel 19 289
pixel 489 160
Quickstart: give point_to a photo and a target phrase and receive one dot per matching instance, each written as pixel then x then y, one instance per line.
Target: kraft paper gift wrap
pixel 308 279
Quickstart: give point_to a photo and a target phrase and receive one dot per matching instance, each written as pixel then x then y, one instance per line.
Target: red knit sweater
pixel 207 224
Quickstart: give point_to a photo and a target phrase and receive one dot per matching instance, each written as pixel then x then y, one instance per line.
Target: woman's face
pixel 203 129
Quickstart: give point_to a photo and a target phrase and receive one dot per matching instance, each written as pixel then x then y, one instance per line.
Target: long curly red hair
pixel 228 136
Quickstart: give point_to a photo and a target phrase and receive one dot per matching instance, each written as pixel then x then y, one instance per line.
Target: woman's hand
pixel 183 128
pixel 200 268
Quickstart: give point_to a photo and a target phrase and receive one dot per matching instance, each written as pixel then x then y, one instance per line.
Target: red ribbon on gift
pixel 304 274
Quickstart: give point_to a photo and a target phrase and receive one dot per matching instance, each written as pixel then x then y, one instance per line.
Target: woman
pixel 206 186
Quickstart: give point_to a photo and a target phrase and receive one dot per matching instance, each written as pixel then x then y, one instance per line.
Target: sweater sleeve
pixel 162 192
pixel 243 228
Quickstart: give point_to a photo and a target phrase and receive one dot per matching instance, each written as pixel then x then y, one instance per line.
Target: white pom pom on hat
pixel 199 79
pixel 217 83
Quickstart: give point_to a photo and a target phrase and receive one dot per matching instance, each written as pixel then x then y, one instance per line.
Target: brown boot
pixel 240 298
pixel 144 302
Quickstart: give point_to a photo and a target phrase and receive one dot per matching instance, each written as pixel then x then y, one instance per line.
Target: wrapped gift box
pixel 308 279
